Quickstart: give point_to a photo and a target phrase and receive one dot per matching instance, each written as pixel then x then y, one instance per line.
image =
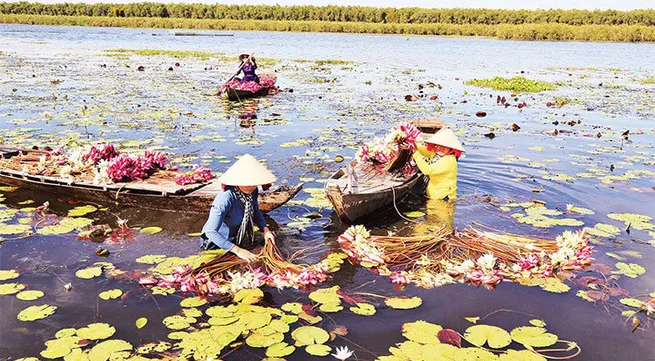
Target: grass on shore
pixel 517 84
pixel 540 31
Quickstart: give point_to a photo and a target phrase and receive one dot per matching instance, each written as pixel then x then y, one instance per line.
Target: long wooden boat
pixel 357 191
pixel 158 192
pixel 354 199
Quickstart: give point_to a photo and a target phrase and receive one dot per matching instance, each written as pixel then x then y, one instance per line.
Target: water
pixel 171 110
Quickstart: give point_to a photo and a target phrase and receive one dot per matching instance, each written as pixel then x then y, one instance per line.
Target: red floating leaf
pixel 450 337
pixel 598 296
pixel 617 291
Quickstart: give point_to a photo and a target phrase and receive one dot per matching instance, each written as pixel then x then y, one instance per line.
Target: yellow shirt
pixel 442 173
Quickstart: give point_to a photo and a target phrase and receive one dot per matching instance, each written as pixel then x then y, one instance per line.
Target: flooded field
pixel 580 155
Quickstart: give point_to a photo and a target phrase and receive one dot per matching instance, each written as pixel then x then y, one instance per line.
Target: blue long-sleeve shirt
pixel 225 218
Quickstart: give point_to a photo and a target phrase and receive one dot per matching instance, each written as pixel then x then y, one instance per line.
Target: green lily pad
pixel 8 274
pixel 494 336
pixel 318 350
pixel 631 270
pixel 109 349
pixel 603 230
pixel 81 210
pixel 249 296
pixel 421 332
pixel 151 259
pixel 402 303
pixel 34 313
pixel 88 273
pixel 533 336
pixel 632 302
pixel 538 323
pixel 326 295
pixel 141 322
pixel 554 285
pixel 414 214
pixel 9 229
pixel 193 302
pixel 96 331
pixel 65 225
pixel 281 349
pixel 330 307
pixel 472 353
pixel 629 218
pixel 65 332
pixel 11 288
pixel 150 230
pixel 309 335
pixel 259 340
pixel 177 322
pixel 111 294
pixel 55 351
pixel 29 295
pixel 292 307
pixel 363 309
pixel 77 355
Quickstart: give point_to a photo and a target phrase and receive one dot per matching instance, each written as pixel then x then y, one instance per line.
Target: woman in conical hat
pixel 438 160
pixel 249 65
pixel 235 210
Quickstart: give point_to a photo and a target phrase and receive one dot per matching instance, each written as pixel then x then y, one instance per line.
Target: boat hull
pixel 236 95
pixel 130 198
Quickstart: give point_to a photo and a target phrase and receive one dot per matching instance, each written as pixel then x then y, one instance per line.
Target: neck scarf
pixel 246 232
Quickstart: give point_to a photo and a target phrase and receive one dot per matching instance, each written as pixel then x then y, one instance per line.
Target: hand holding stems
pixel 269 236
pixel 244 254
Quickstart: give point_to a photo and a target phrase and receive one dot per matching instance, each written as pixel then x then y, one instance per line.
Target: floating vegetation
pixel 517 84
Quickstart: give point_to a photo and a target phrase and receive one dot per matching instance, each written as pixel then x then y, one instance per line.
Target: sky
pixel 492 4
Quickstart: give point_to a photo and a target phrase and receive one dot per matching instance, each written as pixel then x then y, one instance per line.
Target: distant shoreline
pixel 544 31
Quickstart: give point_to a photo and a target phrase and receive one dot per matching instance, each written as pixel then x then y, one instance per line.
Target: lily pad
pixel 8 274
pixel 151 259
pixel 414 214
pixel 107 350
pixel 249 296
pixel 326 295
pixel 473 353
pixel 193 302
pixel 318 350
pixel 29 295
pixel 81 211
pixel 522 355
pixel 554 285
pixel 631 270
pixel 177 322
pixel 309 335
pixel 538 323
pixel 533 336
pixel 88 273
pixel 494 336
pixel 8 229
pixel 259 340
pixel 402 303
pixel 422 332
pixel 281 349
pixel 632 302
pixel 11 288
pixel 330 307
pixel 363 309
pixel 150 230
pixel 111 294
pixel 141 322
pixel 55 351
pixel 34 313
pixel 96 331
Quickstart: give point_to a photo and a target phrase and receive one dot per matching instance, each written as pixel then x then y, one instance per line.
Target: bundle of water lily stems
pixel 227 273
pixel 479 257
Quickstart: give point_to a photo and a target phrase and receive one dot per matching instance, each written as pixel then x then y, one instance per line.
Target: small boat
pixel 358 190
pixel 354 199
pixel 158 192
pixel 232 94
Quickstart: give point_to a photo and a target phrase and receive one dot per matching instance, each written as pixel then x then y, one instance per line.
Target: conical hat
pixel 446 138
pixel 247 171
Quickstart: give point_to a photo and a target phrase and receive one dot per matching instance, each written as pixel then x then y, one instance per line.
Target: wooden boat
pixel 237 95
pixel 353 199
pixel 358 191
pixel 157 192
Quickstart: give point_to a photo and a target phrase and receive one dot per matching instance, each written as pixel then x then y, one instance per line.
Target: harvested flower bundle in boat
pixel 228 274
pixel 250 86
pixel 102 164
pixel 382 151
pixel 482 258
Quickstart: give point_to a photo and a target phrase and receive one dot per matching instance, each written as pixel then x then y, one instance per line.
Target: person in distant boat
pixel 437 159
pixel 235 210
pixel 249 65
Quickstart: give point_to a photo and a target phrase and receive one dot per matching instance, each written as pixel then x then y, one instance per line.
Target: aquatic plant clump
pixel 228 274
pixel 517 84
pixel 199 174
pixel 471 256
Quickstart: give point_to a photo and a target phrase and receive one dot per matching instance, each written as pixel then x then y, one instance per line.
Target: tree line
pixel 337 14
